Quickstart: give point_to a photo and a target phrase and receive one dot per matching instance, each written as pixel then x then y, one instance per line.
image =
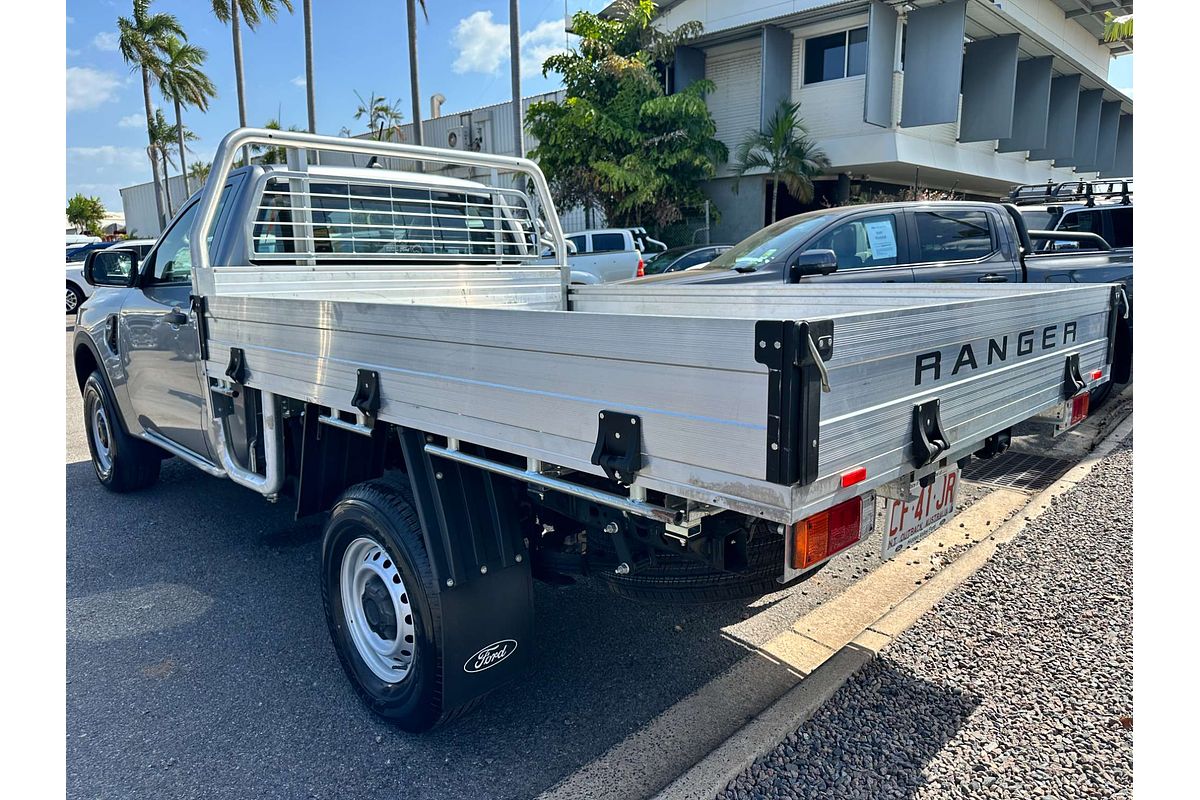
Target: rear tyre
pixel 384 618
pixel 121 462
pixel 676 579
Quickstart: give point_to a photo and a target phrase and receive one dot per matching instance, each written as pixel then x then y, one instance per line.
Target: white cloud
pixel 72 52
pixel 89 88
pixel 107 155
pixel 537 45
pixel 482 44
pixel 106 40
pixel 132 121
pixel 298 81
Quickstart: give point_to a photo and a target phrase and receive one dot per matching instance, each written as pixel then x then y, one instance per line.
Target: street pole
pixel 412 70
pixel 514 41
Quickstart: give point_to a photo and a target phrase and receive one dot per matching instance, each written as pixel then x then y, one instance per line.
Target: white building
pixel 999 92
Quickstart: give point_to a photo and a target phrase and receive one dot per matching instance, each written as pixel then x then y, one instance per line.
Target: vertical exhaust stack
pixel 435 105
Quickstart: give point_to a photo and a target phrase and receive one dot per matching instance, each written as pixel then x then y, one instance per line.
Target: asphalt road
pixel 198 662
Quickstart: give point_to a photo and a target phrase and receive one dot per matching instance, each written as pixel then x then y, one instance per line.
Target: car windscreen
pixel 658 262
pixel 1037 219
pixel 770 243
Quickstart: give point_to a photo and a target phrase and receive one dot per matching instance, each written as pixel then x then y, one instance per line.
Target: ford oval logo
pixel 491 655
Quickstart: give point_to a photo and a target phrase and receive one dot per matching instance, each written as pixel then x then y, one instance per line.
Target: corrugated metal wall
pixel 735 102
pixel 141 215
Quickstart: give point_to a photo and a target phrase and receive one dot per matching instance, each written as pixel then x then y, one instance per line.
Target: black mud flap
pixel 470 520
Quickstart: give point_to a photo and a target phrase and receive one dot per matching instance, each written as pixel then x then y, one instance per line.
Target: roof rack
pixel 1086 192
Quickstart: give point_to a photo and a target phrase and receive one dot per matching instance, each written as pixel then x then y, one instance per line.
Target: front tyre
pixel 121 462
pixel 74 297
pixel 384 619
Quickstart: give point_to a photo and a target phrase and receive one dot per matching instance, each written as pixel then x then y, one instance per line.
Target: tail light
pixel 829 532
pixel 1079 407
pixel 641 273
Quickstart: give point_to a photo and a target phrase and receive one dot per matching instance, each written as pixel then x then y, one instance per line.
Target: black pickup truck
pixel 918 242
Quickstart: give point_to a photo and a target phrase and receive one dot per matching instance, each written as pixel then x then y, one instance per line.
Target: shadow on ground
pixel 199 664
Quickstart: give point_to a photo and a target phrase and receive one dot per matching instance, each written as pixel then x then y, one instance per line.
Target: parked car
pixel 678 259
pixel 76 239
pixel 1102 207
pixel 79 289
pixel 608 254
pixel 921 242
pixel 78 252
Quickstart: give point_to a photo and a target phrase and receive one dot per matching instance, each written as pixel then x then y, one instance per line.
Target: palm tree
pixel 199 172
pixel 253 12
pixel 379 113
pixel 309 91
pixel 786 152
pixel 412 67
pixel 166 140
pixel 184 83
pixel 140 44
pixel 269 154
pixel 1117 29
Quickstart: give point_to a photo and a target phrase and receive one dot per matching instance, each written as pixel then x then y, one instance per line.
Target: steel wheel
pixel 378 614
pixel 72 300
pixel 101 438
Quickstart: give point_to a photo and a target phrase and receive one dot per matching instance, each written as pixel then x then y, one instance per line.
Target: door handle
pixel 992 277
pixel 176 316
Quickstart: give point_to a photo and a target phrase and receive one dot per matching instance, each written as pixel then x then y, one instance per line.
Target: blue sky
pixel 359 45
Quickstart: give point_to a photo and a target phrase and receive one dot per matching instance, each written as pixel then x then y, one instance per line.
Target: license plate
pixel 909 521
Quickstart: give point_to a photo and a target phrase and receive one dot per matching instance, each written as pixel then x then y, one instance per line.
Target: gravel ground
pixel 1019 684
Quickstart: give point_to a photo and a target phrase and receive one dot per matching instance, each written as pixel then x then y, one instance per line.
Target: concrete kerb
pixel 764 732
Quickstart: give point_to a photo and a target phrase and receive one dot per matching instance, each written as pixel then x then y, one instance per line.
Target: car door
pixel 870 248
pixel 959 245
pixel 157 340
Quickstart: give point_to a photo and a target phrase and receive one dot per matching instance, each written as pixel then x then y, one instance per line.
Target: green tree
pixel 85 213
pixel 232 12
pixel 184 83
pixel 381 115
pixel 142 36
pixel 618 140
pixel 785 151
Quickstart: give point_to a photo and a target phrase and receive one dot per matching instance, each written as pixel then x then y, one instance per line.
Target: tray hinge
pixel 794 354
pixel 200 310
pixel 929 440
pixel 366 394
pixel 618 448
pixel 1073 382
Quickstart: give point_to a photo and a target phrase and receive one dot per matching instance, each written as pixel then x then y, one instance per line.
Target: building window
pixel 838 55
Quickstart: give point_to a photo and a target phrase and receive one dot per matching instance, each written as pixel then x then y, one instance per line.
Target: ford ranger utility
pixel 385 348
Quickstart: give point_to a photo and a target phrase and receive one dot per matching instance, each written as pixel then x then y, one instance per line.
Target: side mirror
pixel 815 262
pixel 110 267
